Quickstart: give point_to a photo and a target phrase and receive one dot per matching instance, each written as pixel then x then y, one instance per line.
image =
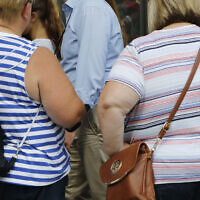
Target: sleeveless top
pixel 43 42
pixel 43 158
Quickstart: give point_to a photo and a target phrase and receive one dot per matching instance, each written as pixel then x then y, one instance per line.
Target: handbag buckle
pixel 166 126
pixel 156 144
pixel 116 166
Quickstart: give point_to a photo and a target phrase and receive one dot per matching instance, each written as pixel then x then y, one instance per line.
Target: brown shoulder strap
pixel 181 96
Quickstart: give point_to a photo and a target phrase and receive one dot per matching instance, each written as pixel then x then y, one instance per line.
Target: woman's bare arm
pixel 116 100
pixel 46 82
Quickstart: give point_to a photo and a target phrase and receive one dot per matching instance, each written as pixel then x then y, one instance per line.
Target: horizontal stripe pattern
pixel 43 158
pixel 156 67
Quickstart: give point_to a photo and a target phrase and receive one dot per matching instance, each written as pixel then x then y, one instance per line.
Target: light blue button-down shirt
pixel 91 43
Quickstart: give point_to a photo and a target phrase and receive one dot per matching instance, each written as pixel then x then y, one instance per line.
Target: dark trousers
pixel 55 191
pixel 178 191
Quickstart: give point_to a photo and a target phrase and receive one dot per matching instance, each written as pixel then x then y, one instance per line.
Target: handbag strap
pixel 166 126
pixel 19 145
pixel 61 37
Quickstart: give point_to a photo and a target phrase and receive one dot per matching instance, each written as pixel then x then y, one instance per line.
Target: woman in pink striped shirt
pixel 147 79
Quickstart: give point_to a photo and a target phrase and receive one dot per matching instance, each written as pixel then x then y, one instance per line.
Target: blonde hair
pixel 10 8
pixel 164 12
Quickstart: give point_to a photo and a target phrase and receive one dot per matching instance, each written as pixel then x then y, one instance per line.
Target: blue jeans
pixel 55 191
pixel 178 191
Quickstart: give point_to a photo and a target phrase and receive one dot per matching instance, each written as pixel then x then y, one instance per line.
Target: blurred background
pixel 133 14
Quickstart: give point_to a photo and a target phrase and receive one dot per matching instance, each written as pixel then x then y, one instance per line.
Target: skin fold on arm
pixel 116 100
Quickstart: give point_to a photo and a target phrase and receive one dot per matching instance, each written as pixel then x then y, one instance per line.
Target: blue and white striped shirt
pixel 43 158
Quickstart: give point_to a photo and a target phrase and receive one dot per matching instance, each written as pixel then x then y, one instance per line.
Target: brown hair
pixel 48 12
pixel 165 12
pixel 113 4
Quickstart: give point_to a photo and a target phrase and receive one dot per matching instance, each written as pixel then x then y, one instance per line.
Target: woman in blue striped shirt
pixel 37 101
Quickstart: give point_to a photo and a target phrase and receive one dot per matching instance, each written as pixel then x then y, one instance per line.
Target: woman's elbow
pixel 102 106
pixel 72 115
pixel 76 114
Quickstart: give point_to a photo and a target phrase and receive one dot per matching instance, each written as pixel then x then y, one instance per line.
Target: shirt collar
pixel 70 3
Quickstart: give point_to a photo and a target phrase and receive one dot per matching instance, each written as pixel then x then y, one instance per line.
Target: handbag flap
pixel 121 163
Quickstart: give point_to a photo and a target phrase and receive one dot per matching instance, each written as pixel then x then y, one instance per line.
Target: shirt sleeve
pixel 93 37
pixel 128 70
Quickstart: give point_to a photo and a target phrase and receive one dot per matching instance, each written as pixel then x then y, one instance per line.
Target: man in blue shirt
pixel 91 43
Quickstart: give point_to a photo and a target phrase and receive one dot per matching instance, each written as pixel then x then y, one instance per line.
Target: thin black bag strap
pixel 61 37
pixel 166 126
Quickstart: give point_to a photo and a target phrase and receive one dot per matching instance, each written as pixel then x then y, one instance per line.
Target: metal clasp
pixel 166 126
pixel 156 144
pixel 116 166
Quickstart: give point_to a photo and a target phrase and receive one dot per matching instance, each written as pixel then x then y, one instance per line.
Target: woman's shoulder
pixel 161 36
pixel 18 43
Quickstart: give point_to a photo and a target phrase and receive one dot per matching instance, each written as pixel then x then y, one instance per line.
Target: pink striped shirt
pixel 156 67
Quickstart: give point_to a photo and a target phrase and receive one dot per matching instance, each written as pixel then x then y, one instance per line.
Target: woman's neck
pixel 175 25
pixel 39 31
pixel 8 29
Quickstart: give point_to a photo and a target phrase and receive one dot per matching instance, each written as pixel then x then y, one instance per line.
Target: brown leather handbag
pixel 129 173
